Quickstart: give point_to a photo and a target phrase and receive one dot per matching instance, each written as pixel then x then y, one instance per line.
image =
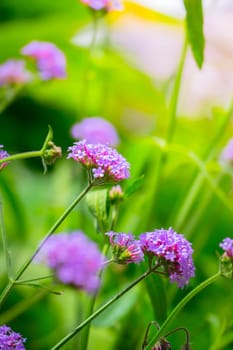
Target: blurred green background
pixel 138 105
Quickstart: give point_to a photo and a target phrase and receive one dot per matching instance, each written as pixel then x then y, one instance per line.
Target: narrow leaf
pixel 194 23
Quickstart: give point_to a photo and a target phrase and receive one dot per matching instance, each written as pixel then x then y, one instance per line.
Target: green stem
pixel 86 80
pixel 180 306
pixel 99 311
pixel 12 282
pixel 175 92
pixel 5 243
pixel 23 155
pixel 198 180
pixel 86 332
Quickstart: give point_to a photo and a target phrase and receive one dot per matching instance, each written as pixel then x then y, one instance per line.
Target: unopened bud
pixel 51 153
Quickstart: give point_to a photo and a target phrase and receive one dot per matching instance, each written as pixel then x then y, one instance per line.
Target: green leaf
pixel 134 185
pixel 194 23
pixel 97 202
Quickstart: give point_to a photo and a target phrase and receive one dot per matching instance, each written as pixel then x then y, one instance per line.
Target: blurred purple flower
pixel 13 72
pixel 3 154
pixel 50 60
pixel 95 130
pixel 173 251
pixel 227 246
pixel 10 340
pixel 126 249
pixel 106 163
pixel 74 258
pixel 108 5
pixel 227 153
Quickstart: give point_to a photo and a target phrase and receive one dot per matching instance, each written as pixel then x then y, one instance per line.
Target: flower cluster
pixel 50 61
pixel 227 246
pixel 3 154
pixel 105 163
pixel 107 5
pixel 10 340
pixel 173 251
pixel 227 153
pixel 74 259
pixel 95 130
pixel 13 72
pixel 126 249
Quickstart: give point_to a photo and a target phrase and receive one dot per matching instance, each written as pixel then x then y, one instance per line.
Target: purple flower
pixel 10 340
pixel 126 249
pixel 106 163
pixel 74 258
pixel 173 251
pixel 227 153
pixel 13 72
pixel 107 5
pixel 50 61
pixel 227 246
pixel 95 130
pixel 3 154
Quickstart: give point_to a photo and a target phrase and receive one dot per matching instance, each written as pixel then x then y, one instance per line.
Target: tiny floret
pixel 13 72
pixel 227 246
pixel 95 130
pixel 75 260
pixel 3 155
pixel 106 5
pixel 172 251
pixel 126 249
pixel 105 163
pixel 10 340
pixel 50 60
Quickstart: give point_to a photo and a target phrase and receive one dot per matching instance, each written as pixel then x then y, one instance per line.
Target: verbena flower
pixel 10 340
pixel 50 60
pixel 106 164
pixel 173 251
pixel 126 249
pixel 227 246
pixel 3 154
pixel 107 5
pixel 227 153
pixel 74 258
pixel 95 130
pixel 13 72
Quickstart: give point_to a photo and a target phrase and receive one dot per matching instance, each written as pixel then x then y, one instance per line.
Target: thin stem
pixel 85 84
pixel 99 311
pixel 12 282
pixel 85 335
pixel 24 155
pixel 5 243
pixel 180 306
pixel 198 180
pixel 176 91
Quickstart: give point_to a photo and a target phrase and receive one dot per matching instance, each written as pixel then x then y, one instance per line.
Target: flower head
pixel 107 5
pixel 74 258
pixel 95 130
pixel 126 249
pixel 173 251
pixel 10 340
pixel 13 72
pixel 227 246
pixel 3 154
pixel 227 153
pixel 106 164
pixel 50 60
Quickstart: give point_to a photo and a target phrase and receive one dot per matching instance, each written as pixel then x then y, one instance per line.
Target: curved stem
pixel 199 179
pixel 180 306
pixel 12 282
pixel 99 311
pixel 23 155
pixel 176 91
